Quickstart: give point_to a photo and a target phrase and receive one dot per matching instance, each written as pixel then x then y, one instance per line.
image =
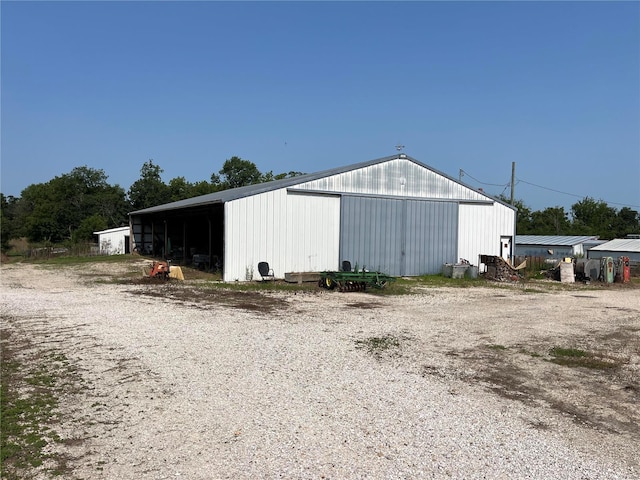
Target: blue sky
pixel 306 86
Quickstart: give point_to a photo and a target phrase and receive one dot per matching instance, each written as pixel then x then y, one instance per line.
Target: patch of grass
pixel 574 357
pixel 440 280
pixel 378 345
pixel 400 286
pixel 29 389
pixel 559 352
pixel 496 347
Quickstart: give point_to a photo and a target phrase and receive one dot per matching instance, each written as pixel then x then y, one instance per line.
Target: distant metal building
pixel 620 247
pixel 392 214
pixel 554 246
pixel 114 241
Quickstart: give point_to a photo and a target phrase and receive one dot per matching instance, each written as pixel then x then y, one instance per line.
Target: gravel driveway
pixel 177 382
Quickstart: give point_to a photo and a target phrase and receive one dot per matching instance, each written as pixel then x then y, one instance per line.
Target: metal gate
pixel 398 236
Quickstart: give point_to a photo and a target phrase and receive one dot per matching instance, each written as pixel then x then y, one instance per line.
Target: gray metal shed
pixel 620 247
pixel 554 246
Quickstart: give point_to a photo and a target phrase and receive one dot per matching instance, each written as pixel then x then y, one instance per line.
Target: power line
pixel 573 194
pixel 519 180
pixel 462 172
pixel 550 189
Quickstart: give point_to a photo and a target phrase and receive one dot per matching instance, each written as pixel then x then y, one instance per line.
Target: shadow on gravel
pixel 364 305
pixel 251 301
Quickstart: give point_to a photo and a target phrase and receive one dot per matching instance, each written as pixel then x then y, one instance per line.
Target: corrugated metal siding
pixel 620 245
pixel 292 232
pixel 633 256
pixel 399 177
pixel 480 228
pixel 537 251
pixel 431 236
pixel 314 234
pixel 627 247
pixel 399 237
pixel 548 240
pixel 370 233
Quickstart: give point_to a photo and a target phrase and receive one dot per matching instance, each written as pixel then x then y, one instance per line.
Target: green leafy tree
pixel 523 218
pixel 84 232
pixel 87 194
pixel 237 172
pixel 203 188
pixel 180 188
pixel 91 194
pixel 550 221
pixel 52 211
pixel 8 227
pixel 149 190
pixel 269 176
pixel 37 212
pixel 592 217
pixel 627 221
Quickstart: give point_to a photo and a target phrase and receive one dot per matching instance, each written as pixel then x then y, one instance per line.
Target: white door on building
pixel 505 248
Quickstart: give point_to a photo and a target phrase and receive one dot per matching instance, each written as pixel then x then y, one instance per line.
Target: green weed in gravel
pixel 31 384
pixel 379 345
pixel 574 357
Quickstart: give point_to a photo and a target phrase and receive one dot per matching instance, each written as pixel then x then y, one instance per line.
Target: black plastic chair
pixel 265 272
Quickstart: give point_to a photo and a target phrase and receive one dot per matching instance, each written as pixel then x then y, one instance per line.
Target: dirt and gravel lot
pixel 159 381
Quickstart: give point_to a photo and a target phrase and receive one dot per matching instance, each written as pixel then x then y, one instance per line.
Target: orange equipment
pixel 159 269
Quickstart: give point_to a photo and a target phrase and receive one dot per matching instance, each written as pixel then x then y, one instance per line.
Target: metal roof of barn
pixel 249 190
pixel 556 240
pixel 620 245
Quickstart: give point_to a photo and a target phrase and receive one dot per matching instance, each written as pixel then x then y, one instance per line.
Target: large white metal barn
pixel 393 214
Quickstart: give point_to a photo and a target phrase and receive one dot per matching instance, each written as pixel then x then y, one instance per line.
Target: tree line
pixel 69 208
pixel 586 217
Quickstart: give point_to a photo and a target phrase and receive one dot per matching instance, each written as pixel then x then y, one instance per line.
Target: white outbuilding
pixel 393 214
pixel 114 241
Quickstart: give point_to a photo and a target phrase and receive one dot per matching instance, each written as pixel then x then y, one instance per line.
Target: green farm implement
pixel 354 281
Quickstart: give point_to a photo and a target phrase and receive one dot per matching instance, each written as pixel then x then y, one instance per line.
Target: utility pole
pixel 513 180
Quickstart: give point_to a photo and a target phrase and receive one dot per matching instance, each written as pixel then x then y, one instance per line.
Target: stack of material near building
pixel 499 269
